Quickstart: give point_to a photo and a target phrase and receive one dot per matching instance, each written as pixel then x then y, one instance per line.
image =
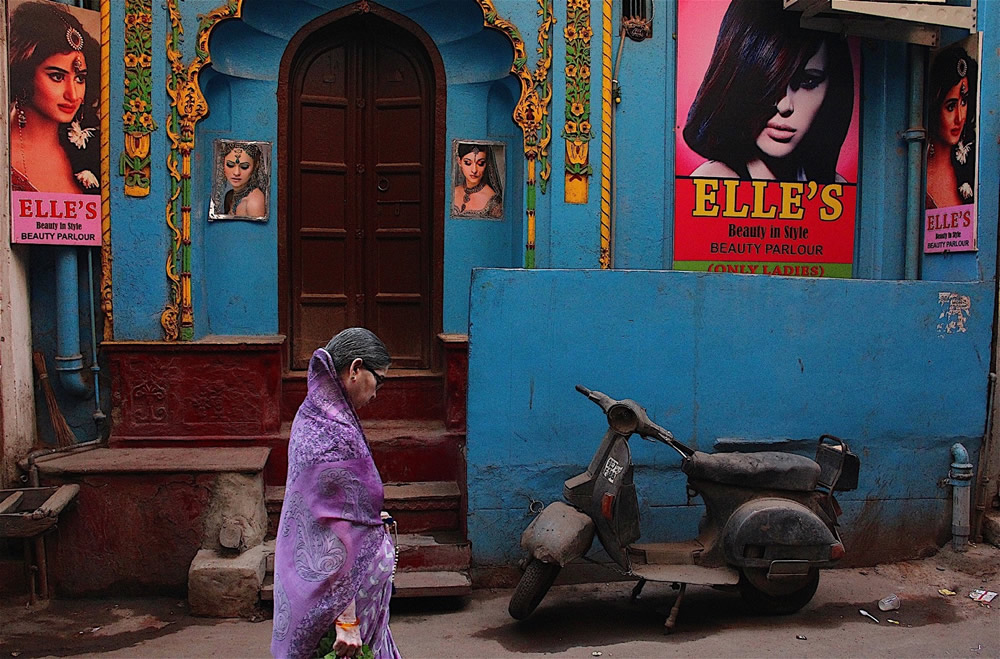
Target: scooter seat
pixel 766 470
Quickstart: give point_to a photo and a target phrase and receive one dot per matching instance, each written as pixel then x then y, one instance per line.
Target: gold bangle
pixel 343 624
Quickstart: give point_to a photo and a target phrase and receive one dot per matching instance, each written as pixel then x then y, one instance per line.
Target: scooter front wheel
pixel 777 597
pixel 534 583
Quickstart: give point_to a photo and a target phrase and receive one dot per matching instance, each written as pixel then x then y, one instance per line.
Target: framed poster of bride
pixel 478 180
pixel 241 180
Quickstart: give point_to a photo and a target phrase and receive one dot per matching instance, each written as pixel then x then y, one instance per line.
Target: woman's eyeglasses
pixel 379 379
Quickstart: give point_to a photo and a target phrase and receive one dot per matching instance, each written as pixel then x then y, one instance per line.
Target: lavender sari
pixel 332 546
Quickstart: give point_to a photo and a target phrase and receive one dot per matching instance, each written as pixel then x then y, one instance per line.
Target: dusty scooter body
pixel 770 519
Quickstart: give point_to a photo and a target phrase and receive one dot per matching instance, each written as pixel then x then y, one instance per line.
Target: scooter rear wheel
pixel 776 597
pixel 534 583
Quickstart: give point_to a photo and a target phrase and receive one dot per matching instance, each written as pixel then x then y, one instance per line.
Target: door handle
pixel 383 184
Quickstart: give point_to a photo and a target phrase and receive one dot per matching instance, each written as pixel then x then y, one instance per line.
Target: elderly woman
pixel 334 558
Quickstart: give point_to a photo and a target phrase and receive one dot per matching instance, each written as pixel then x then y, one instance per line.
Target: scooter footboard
pixel 764 531
pixel 558 535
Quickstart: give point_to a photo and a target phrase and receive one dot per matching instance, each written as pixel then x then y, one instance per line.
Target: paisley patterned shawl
pixel 330 530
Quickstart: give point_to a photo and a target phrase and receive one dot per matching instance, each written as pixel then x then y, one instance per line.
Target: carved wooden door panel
pixel 360 212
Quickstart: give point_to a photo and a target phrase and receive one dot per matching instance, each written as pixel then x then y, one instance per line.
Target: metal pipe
pixel 985 466
pixel 94 367
pixel 960 478
pixel 30 463
pixel 69 360
pixel 915 135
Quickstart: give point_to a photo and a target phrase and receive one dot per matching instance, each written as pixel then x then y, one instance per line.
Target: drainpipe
pixel 914 136
pixel 960 478
pixel 69 361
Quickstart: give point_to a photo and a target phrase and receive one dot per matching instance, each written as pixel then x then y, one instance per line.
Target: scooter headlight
pixel 623 419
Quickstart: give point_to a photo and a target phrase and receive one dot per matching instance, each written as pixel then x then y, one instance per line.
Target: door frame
pixel 439 165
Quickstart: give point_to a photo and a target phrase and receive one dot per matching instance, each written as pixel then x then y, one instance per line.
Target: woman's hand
pixel 348 641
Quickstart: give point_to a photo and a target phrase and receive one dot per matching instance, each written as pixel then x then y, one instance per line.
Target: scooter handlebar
pixel 601 400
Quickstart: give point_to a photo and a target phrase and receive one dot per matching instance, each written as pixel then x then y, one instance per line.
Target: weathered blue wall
pixel 235 264
pixel 710 356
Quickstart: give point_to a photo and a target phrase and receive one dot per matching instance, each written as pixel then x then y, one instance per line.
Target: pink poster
pixel 54 72
pixel 766 142
pixel 952 156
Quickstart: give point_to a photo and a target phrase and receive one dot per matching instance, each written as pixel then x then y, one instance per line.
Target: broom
pixel 64 436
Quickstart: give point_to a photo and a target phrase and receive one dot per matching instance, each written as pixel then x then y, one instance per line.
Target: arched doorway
pixel 361 99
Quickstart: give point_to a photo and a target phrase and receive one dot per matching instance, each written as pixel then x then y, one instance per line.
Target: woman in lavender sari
pixel 334 558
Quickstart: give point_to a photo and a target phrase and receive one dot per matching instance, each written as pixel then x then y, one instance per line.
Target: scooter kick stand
pixel 636 590
pixel 668 626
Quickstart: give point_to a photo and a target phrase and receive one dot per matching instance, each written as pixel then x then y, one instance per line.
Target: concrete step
pixel 411 583
pixel 408 394
pixel 424 506
pixel 441 550
pixel 410 451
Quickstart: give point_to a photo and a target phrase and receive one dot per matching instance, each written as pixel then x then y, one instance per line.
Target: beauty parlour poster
pixel 766 162
pixel 952 88
pixel 54 59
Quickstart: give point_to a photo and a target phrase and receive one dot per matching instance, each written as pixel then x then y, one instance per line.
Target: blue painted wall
pixel 711 356
pixel 235 264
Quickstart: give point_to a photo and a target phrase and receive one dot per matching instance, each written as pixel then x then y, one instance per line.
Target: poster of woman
pixel 54 116
pixel 478 179
pixel 761 99
pixel 242 180
pixel 952 102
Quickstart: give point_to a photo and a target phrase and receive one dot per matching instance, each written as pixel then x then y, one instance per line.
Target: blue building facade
pixel 898 365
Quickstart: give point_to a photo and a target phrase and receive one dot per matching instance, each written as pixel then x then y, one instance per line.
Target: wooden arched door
pixel 361 237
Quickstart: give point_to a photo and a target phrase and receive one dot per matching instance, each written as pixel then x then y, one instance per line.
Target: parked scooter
pixel 770 519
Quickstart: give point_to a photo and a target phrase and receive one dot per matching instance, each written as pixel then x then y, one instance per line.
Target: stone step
pixel 408 394
pixel 267 588
pixel 410 451
pixel 413 583
pixel 424 506
pixel 441 550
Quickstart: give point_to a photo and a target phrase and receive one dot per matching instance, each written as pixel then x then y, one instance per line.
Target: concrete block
pixel 237 517
pixel 226 586
pixel 991 528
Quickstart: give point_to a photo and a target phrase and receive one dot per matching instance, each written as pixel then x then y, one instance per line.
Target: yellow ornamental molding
pixel 106 299
pixel 137 106
pixel 187 107
pixel 577 130
pixel 605 254
pixel 531 113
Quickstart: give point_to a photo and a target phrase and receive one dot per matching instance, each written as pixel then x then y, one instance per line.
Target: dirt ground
pixel 580 620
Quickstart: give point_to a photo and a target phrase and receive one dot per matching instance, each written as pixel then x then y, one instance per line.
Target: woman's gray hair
pixel 358 343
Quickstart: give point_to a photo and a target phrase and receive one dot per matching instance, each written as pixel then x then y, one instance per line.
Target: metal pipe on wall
pixel 915 136
pixel 69 360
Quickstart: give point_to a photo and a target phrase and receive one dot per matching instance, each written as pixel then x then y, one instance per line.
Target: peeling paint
pixel 955 311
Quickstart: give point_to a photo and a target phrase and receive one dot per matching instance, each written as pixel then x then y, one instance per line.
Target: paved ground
pixel 577 621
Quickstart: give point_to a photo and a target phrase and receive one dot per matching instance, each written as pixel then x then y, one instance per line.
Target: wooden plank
pixel 55 503
pixel 10 503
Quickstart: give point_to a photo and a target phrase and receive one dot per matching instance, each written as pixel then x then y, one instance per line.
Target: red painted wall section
pixel 195 390
pixel 139 518
pixel 129 534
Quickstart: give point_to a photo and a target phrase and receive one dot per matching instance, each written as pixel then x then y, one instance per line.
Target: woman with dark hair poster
pixel 769 102
pixel 54 65
pixel 952 101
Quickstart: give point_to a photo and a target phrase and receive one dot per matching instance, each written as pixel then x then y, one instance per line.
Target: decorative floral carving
pixel 577 129
pixel 148 402
pixel 137 103
pixel 532 110
pixel 188 106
